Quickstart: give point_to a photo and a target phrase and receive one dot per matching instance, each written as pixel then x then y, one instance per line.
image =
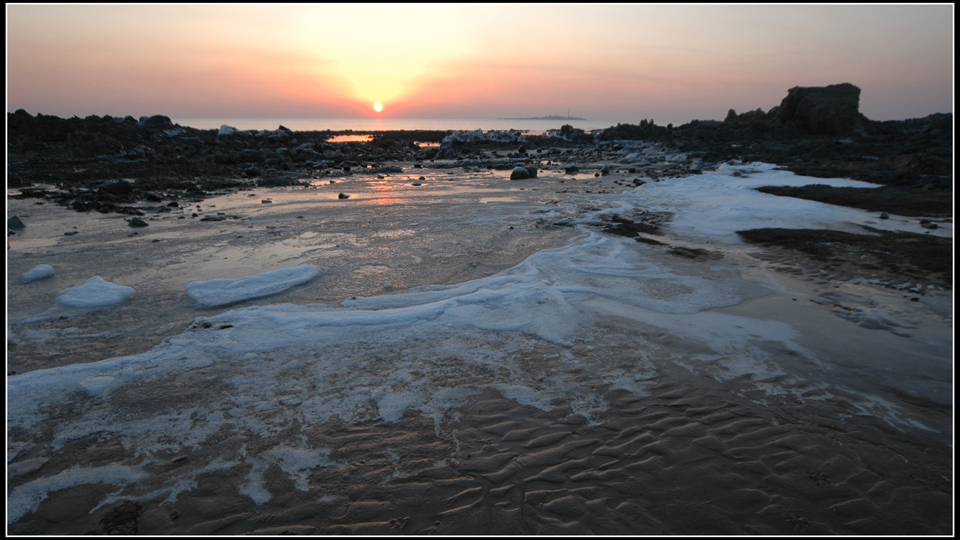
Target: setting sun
pixel 377 107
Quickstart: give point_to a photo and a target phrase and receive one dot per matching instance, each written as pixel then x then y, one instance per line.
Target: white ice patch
pixel 95 293
pixel 38 272
pixel 716 204
pixel 221 292
pixel 27 498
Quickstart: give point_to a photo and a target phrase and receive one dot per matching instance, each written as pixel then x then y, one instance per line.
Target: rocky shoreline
pixel 151 166
pixel 814 132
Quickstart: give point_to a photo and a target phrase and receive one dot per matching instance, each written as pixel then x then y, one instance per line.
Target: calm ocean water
pixel 392 124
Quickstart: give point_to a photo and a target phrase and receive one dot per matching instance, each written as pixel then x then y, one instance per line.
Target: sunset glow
pixel 471 61
pixel 377 107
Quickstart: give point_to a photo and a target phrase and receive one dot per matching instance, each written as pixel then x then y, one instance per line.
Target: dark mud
pixel 884 255
pixel 893 199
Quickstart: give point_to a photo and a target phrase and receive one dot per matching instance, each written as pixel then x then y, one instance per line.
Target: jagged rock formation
pixel 827 110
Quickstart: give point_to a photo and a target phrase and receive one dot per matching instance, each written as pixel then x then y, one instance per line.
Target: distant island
pixel 551 117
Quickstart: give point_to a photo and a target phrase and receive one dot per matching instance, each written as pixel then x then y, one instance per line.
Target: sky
pixel 612 62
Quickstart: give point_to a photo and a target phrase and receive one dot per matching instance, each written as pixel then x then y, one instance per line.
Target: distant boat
pixel 551 117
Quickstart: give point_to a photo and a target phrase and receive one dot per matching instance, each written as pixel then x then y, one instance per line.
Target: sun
pixel 377 107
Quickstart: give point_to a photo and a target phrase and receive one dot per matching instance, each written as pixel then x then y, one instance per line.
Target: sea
pixel 407 124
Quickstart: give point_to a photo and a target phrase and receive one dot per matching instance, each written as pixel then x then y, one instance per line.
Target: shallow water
pixel 428 297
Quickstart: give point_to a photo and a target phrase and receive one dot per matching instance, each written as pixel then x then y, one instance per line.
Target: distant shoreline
pixel 551 117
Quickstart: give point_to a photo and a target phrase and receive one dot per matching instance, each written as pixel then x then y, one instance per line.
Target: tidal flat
pixel 480 355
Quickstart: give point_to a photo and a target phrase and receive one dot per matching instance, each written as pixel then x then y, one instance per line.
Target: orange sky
pixel 471 61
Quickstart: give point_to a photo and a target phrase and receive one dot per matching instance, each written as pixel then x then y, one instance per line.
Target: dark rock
pixel 519 173
pixel 827 110
pixel 756 115
pixel 137 222
pixel 120 187
pixel 157 121
pixel 343 196
pixel 14 222
pixel 249 155
pixel 573 169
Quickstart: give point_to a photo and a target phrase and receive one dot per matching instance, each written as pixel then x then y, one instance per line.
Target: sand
pixel 692 457
pixel 680 440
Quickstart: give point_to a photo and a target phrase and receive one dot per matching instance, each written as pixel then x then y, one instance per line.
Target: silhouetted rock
pixel 157 121
pixel 756 115
pixel 826 110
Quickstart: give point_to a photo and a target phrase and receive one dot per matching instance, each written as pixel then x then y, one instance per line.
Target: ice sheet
pixel 221 292
pixel 94 293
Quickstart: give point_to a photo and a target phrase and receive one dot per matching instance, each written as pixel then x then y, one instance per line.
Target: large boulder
pixel 519 173
pixel 157 121
pixel 821 110
pixel 523 172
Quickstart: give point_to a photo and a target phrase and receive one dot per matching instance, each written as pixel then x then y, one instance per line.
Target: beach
pixel 454 352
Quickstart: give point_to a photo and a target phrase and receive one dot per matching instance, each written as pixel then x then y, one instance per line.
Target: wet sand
pixel 692 457
pixel 694 446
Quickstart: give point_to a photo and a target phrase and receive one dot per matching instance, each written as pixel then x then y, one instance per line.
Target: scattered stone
pixel 120 187
pixel 14 222
pixel 137 222
pixel 884 215
pixel 343 196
